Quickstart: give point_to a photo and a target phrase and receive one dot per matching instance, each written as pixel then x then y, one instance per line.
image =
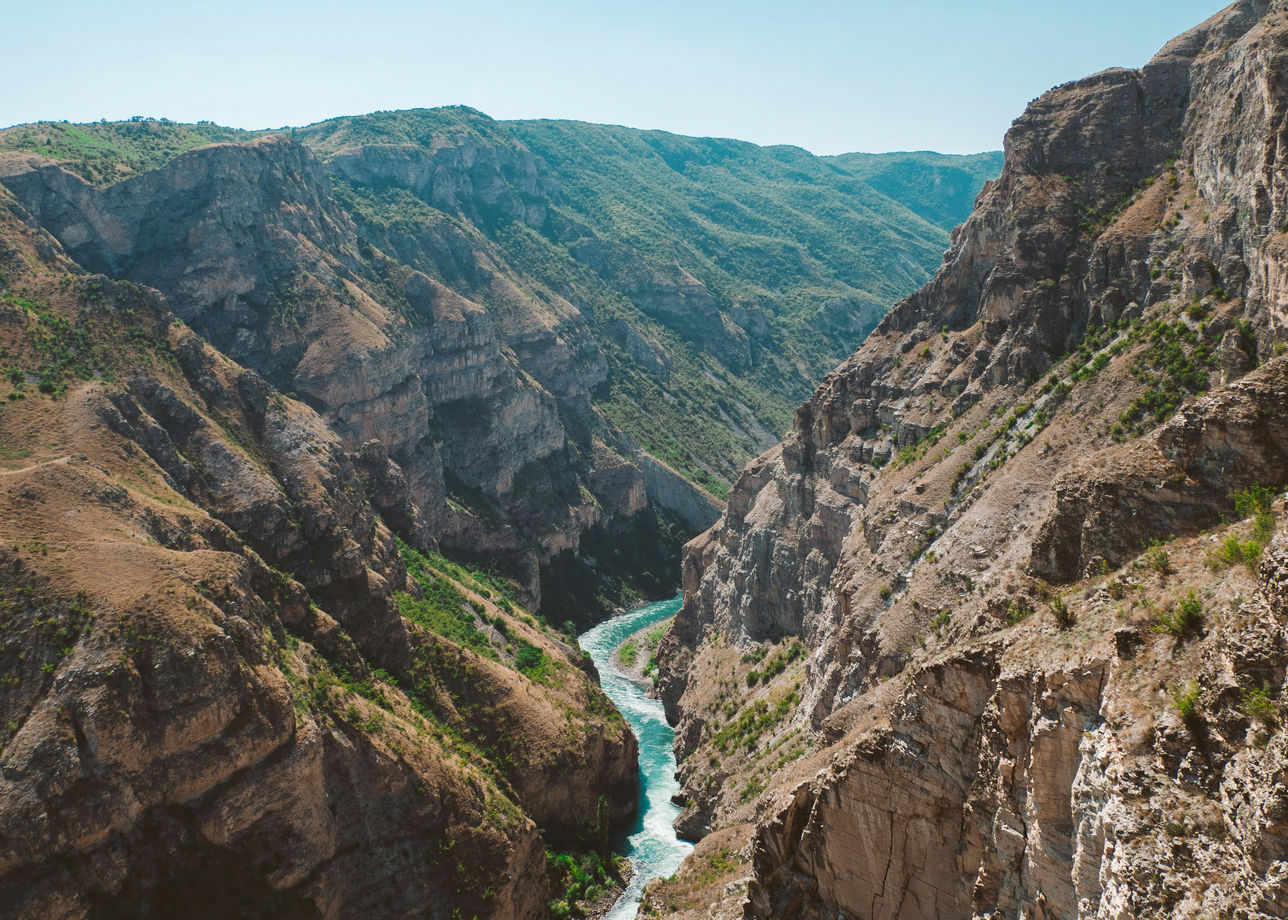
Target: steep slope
pixel 710 270
pixel 938 187
pixel 928 636
pixel 481 456
pixel 525 329
pixel 227 688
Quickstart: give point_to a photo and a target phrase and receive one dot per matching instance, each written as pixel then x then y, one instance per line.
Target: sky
pixel 825 75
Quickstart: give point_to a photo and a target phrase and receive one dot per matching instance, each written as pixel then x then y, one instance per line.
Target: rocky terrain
pixel 663 277
pixel 474 423
pixel 998 629
pixel 306 438
pixel 227 688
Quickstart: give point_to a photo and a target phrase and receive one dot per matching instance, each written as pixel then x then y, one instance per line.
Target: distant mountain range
pixel 715 275
pixel 508 310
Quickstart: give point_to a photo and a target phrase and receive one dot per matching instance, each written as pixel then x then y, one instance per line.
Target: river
pixel 651 844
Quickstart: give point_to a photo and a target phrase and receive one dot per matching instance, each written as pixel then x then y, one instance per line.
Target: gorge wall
pixel 519 327
pixel 973 640
pixel 227 687
pixel 310 436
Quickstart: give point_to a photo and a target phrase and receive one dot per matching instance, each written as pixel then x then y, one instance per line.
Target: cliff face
pixel 880 606
pixel 488 310
pixel 227 688
pixel 254 253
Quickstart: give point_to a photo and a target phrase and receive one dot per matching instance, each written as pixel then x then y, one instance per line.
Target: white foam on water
pixel 651 845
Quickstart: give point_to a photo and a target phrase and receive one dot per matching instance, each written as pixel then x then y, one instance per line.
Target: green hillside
pixel 937 186
pixel 719 279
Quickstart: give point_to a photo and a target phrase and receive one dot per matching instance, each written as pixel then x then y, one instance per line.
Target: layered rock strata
pixel 934 611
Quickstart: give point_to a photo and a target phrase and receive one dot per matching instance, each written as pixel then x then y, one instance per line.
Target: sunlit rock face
pixel 1095 366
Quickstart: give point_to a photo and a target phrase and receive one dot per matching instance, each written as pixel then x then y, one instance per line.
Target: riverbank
pixel 635 657
pixel 650 844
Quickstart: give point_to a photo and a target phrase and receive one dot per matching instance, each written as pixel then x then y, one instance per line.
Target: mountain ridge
pixel 978 613
pixel 390 224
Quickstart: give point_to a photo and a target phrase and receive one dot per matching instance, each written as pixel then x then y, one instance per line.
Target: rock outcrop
pixel 934 611
pixel 227 688
pixel 255 254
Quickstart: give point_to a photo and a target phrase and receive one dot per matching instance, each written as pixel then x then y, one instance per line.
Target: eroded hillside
pixel 929 664
pixel 537 321
pixel 227 688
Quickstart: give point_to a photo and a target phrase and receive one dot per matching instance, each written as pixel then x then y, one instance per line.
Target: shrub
pixel 1263 527
pixel 529 659
pixel 1017 610
pixel 1185 620
pixel 1257 705
pixel 1187 706
pixel 1234 552
pixel 1251 555
pixel 1064 617
pixel 1157 558
pixel 1255 499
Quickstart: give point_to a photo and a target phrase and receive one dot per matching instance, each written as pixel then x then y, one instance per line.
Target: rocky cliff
pixel 227 688
pixel 979 636
pixel 492 345
pixel 254 253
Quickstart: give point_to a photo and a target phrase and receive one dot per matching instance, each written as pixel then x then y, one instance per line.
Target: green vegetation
pixel 1256 704
pixel 1187 707
pixel 441 609
pixel 1064 616
pixel 1018 610
pixel 105 152
pixel 719 279
pixel 1185 620
pixel 1253 502
pixel 914 451
pixel 533 663
pixel 940 188
pixel 67 350
pixel 756 719
pixel 766 231
pixel 1235 552
pixel 1174 365
pixel 579 877
pixel 1157 558
pixel 652 638
pixel 777 664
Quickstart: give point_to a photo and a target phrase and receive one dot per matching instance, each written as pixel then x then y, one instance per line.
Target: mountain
pixel 546 332
pixel 228 688
pixel 940 188
pixel 309 437
pixel 998 628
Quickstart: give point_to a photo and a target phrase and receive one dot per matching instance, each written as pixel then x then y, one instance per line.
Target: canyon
pixel 320 446
pixel 324 445
pixel 974 640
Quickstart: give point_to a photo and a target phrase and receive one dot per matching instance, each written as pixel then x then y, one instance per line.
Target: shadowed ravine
pixel 651 843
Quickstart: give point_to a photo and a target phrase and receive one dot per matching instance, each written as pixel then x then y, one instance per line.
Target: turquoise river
pixel 651 844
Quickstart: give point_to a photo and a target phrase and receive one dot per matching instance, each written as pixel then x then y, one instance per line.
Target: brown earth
pixel 212 704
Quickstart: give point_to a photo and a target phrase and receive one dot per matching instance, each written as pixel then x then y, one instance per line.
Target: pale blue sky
pixel 826 75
